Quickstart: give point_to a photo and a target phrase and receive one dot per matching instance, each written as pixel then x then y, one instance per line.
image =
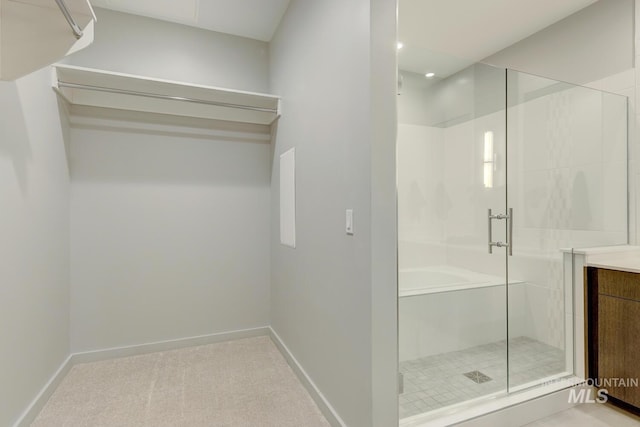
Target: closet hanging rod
pixel 166 97
pixel 77 31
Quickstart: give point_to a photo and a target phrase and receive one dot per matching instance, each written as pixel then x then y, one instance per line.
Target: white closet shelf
pixel 98 88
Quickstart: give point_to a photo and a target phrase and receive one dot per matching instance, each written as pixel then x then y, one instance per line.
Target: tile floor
pixel 437 381
pixel 243 383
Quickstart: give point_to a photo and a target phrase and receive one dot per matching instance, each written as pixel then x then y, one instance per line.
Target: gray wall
pixel 589 45
pixel 171 221
pixel 321 291
pixel 34 248
pixel 153 48
pixel 384 235
pixel 170 217
pixel 169 231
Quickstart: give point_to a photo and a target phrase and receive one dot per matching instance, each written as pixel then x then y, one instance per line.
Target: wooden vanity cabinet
pixel 613 333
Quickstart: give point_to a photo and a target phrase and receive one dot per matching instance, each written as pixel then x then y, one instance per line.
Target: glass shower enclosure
pixel 499 172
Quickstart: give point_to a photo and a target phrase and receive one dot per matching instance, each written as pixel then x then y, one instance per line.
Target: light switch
pixel 349 227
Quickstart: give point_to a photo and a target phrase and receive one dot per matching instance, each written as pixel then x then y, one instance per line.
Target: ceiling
pixel 442 36
pixel 445 36
pixel 256 19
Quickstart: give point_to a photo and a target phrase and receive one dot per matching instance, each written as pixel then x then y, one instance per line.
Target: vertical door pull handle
pixel 510 228
pixel 509 218
pixel 490 237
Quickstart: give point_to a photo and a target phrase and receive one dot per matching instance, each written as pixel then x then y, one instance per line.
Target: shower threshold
pixel 554 391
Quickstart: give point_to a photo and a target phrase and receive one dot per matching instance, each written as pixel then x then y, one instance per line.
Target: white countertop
pixel 603 250
pixel 627 260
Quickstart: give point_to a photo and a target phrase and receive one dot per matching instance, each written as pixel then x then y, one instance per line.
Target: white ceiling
pixel 256 19
pixel 444 36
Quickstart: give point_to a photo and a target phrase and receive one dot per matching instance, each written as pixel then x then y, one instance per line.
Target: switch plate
pixel 349 222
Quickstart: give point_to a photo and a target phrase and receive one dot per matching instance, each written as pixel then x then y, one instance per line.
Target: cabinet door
pixel 619 345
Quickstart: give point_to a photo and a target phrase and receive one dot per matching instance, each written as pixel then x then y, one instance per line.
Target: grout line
pixel 448 384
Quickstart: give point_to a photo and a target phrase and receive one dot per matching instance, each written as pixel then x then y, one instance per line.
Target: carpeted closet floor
pixel 237 383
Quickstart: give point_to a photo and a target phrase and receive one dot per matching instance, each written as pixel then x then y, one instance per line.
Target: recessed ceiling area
pixel 256 19
pixel 445 36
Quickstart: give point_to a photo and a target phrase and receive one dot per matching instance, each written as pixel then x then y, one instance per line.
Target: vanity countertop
pixel 626 260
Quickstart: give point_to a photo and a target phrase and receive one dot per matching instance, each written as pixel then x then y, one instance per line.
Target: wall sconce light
pixel 488 160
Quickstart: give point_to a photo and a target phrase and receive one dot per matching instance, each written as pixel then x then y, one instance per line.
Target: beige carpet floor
pixel 244 383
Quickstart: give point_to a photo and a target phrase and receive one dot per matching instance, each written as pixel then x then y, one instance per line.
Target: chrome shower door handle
pixel 510 231
pixel 490 233
pixel 491 243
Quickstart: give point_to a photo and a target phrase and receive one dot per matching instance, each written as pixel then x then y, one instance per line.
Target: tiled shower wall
pixel 442 205
pixel 626 83
pixel 569 154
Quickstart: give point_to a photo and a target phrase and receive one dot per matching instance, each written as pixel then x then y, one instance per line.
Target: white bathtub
pixel 443 278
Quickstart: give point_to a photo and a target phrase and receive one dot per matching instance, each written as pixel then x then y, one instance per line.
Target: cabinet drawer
pixel 619 284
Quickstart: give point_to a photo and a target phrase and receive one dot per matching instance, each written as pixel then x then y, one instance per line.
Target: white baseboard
pixel 325 407
pixel 134 350
pixel 32 411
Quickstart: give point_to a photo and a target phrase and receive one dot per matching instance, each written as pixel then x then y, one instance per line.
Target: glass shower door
pixel 499 172
pixel 567 184
pixel 452 291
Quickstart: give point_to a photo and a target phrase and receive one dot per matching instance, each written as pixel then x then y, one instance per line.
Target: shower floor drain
pixel 477 377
